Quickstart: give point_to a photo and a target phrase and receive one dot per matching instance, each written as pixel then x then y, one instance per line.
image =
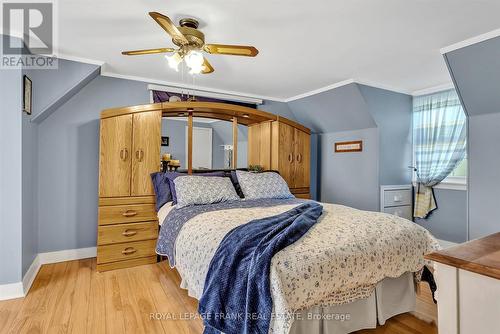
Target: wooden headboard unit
pixel 130 141
pixel 214 110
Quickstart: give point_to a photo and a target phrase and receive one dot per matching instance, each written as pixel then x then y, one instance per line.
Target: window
pixel 439 140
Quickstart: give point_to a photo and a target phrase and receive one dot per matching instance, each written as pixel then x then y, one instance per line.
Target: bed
pixel 351 270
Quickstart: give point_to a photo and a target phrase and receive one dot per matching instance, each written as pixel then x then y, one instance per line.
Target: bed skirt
pixel 391 296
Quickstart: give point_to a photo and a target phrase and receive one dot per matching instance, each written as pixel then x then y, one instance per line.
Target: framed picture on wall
pixel 27 95
pixel 165 141
pixel 349 146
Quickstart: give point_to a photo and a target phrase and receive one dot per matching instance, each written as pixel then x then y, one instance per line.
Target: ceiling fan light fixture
pixel 194 60
pixel 174 61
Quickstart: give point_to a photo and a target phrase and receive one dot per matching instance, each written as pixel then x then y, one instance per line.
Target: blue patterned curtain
pixel 439 141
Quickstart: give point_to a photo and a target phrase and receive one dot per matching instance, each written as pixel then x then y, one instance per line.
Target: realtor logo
pixel 28 34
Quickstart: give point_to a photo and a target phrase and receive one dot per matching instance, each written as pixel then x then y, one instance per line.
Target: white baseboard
pixel 446 244
pixel 30 275
pixel 20 289
pixel 68 255
pixel 11 291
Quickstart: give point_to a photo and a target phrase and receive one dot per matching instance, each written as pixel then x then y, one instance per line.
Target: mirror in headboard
pixel 212 143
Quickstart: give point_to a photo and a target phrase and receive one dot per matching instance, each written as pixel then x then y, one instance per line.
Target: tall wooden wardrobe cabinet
pixel 283 146
pixel 127 222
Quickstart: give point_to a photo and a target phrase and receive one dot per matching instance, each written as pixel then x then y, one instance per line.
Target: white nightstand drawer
pixel 397 197
pixel 400 211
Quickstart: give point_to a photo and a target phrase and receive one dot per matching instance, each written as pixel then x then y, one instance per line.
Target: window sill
pixel 451 183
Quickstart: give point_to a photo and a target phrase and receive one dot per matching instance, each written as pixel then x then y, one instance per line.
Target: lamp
pixel 174 61
pixel 194 60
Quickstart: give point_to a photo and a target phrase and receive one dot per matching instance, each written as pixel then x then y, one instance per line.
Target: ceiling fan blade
pixel 147 51
pixel 207 67
pixel 169 27
pixel 235 50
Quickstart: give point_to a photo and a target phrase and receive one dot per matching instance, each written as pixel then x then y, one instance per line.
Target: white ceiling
pixel 304 45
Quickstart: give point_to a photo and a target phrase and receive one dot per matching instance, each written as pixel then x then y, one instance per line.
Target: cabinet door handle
pixel 129 232
pixel 126 154
pixel 290 157
pixel 129 213
pixel 121 154
pixel 139 155
pixel 129 250
pixel 299 157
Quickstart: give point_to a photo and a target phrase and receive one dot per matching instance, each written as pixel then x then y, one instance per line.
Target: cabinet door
pixel 146 151
pixel 259 145
pixel 253 144
pixel 286 156
pixel 302 142
pixel 115 156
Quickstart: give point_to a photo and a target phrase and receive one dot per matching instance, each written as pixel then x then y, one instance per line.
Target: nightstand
pixel 397 200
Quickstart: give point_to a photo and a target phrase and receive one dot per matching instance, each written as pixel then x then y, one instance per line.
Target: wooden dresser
pixel 468 286
pixel 127 221
pixel 283 145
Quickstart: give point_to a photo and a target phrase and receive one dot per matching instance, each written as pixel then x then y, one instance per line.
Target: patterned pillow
pixel 173 175
pixel 263 185
pixel 194 190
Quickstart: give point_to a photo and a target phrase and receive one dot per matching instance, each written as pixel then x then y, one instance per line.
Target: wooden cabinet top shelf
pixel 481 256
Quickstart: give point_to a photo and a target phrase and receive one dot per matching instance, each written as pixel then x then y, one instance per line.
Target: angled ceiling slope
pixel 52 88
pixel 340 109
pixel 475 70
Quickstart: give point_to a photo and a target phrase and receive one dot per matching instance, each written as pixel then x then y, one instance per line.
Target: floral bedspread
pixel 339 260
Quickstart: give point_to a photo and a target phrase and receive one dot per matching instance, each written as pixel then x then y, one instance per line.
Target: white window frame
pixel 449 183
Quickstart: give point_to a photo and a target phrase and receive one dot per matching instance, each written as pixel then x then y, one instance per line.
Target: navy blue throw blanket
pixel 237 297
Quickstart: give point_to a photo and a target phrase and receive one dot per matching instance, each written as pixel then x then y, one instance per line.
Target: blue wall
pixel 68 163
pixel 353 112
pixel 29 191
pixel 10 176
pixel 52 88
pixel 392 113
pixel 339 109
pixel 475 71
pixel 350 178
pixel 449 221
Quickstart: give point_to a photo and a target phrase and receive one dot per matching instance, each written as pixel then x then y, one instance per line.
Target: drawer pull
pixel 129 213
pixel 129 250
pixel 129 233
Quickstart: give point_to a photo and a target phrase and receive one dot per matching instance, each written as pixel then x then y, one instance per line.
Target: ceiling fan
pixel 191 42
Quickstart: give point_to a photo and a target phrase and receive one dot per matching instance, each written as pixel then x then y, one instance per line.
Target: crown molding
pixel 433 89
pixel 210 94
pixel 382 86
pixel 320 90
pixel 471 41
pixel 79 59
pixel 194 87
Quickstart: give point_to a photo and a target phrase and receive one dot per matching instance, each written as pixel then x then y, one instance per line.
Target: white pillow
pixel 194 190
pixel 263 185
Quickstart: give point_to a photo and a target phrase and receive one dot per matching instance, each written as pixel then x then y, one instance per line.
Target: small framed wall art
pixel 165 141
pixel 349 146
pixel 27 95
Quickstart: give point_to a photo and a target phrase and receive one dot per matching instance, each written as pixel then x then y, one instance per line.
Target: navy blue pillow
pixel 236 184
pixel 163 184
pixel 162 189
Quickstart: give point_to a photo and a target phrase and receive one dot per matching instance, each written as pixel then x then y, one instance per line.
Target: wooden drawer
pixel 397 197
pixel 126 263
pixel 400 211
pixel 113 234
pixel 125 251
pixel 303 196
pixel 126 214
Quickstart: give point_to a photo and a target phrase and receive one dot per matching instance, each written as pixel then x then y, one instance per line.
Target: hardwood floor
pixel 72 297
